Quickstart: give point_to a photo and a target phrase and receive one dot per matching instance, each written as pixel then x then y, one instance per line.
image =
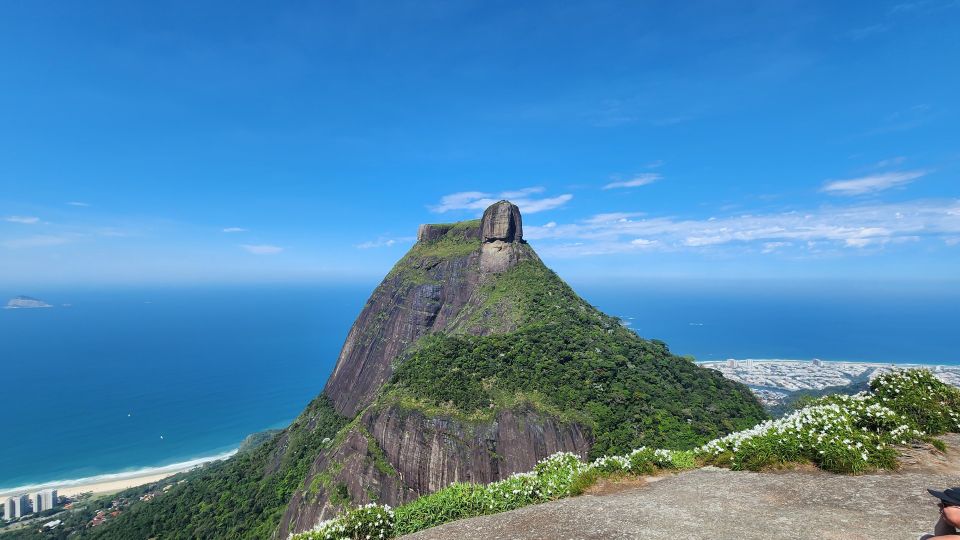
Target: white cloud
pixel 35 241
pixel 770 247
pixel 26 220
pixel 540 205
pixel 384 242
pixel 262 249
pixel 78 203
pixel 858 226
pixel 369 244
pixel 525 192
pixel 637 181
pixel 890 162
pixel 871 183
pixel 234 230
pixel 478 200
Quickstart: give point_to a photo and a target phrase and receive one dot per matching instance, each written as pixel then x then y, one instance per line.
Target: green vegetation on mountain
pixel 569 357
pixel 455 241
pixel 243 497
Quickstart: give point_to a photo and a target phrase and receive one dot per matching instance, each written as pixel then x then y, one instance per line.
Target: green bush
pixel 583 481
pixel 366 522
pixel 847 434
pixel 642 461
pixel 456 501
pixel 931 406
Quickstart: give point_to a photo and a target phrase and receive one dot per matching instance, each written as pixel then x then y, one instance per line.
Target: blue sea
pixel 118 380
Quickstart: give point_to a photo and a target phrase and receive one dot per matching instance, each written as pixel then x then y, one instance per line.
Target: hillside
pixel 471 361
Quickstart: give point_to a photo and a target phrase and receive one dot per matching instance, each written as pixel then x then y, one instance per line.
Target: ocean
pixel 117 380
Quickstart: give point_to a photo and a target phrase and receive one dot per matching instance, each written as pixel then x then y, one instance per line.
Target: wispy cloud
pixel 78 203
pixel 904 120
pixel 637 181
pixel 384 242
pixel 864 32
pixel 478 200
pixel 871 183
pixel 262 249
pixel 770 247
pixel 890 162
pixel 922 6
pixel 234 230
pixel 41 240
pixel 26 220
pixel 859 227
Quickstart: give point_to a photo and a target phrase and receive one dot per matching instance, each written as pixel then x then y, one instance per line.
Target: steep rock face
pixel 502 221
pixel 350 471
pixel 425 292
pixel 400 311
pixel 430 453
pixel 502 232
pixel 393 455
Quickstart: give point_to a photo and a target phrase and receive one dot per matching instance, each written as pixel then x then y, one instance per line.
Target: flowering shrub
pixel 550 479
pixel 847 433
pixel 837 433
pixel 370 521
pixel 931 405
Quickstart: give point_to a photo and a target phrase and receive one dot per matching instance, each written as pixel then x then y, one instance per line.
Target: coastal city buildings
pixel 15 507
pixel 44 500
pixel 774 380
pixel 18 506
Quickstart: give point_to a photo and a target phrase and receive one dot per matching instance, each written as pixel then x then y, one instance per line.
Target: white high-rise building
pixel 15 507
pixel 44 500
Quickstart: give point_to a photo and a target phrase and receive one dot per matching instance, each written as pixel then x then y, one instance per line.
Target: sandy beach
pixel 108 483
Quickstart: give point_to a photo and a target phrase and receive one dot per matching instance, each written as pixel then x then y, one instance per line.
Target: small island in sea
pixel 26 302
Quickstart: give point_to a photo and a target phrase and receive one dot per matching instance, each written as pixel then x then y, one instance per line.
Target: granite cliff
pixel 429 290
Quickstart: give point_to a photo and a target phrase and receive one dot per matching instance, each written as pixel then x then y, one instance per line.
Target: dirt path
pixel 719 504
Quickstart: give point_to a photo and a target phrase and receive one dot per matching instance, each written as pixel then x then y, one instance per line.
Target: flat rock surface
pixel 718 503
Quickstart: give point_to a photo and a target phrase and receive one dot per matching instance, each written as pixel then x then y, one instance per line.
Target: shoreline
pixel 112 482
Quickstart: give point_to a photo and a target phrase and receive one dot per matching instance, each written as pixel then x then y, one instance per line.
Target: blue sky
pixel 226 142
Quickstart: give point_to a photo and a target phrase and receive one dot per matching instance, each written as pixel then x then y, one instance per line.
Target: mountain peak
pixel 501 221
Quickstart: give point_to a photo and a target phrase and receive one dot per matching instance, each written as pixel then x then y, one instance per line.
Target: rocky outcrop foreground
pixel 718 503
